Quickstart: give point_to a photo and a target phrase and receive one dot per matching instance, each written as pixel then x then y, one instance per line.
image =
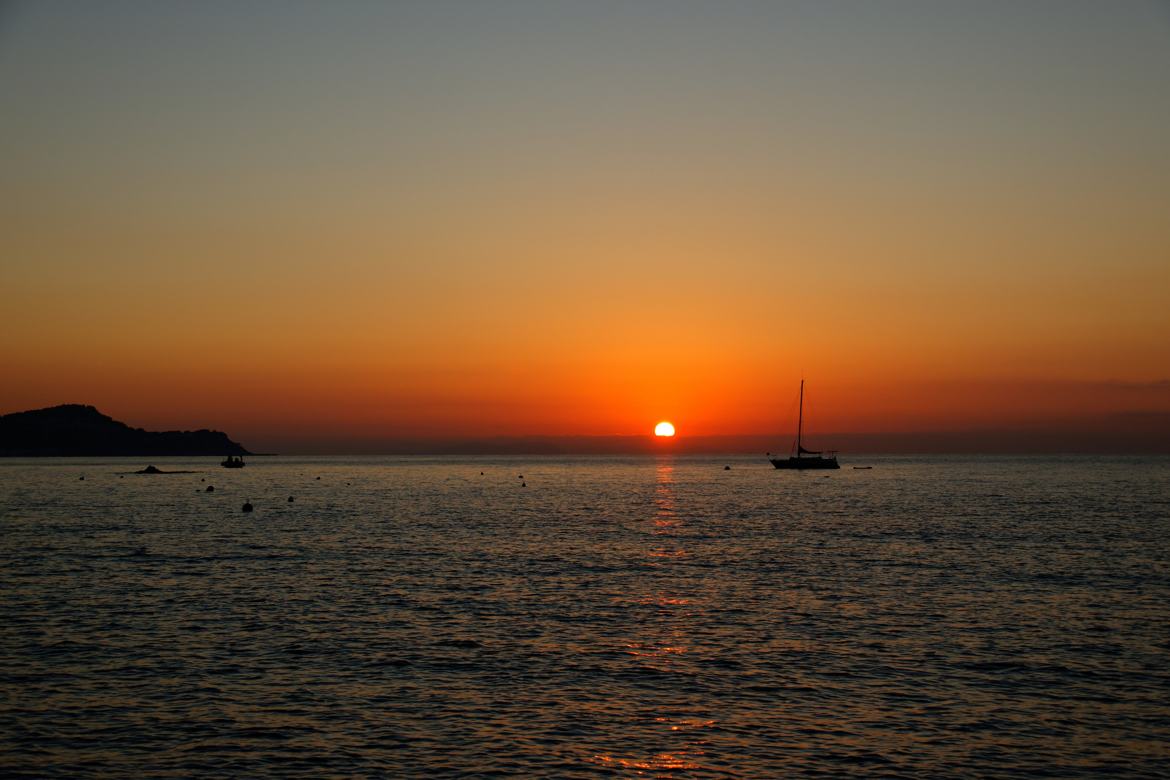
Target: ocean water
pixel 641 617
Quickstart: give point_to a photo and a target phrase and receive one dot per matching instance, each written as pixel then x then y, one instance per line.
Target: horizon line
pixel 1006 441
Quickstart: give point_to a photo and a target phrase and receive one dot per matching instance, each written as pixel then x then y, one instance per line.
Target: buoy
pixel 291 499
pixel 247 507
pixel 201 479
pixel 523 484
pixel 210 489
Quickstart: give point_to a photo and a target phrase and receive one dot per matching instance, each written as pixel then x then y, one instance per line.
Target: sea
pixel 580 617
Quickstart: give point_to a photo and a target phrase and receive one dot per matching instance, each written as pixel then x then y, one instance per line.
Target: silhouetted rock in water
pixel 523 484
pixel 291 499
pixel 247 507
pixel 81 479
pixel 155 470
pixel 74 429
pixel 318 478
pixel 210 489
pixel 201 479
pixel 727 468
pixel 519 476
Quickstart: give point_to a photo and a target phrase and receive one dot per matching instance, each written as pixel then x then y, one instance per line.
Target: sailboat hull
pixel 805 463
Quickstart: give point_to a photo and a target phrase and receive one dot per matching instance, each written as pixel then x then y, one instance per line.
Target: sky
pixel 353 222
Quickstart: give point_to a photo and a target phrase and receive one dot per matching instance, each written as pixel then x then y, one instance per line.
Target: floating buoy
pixel 247 507
pixel 210 489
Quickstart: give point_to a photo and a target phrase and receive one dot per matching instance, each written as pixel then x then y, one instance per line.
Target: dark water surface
pixel 938 617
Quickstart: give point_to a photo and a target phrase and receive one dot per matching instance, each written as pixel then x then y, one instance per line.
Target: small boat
pixel 232 463
pixel 806 459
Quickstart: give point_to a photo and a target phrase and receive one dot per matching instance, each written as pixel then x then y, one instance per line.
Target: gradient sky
pixel 433 219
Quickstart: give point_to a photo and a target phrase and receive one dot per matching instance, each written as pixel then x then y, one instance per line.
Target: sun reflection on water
pixel 662 642
pixel 659 762
pixel 665 517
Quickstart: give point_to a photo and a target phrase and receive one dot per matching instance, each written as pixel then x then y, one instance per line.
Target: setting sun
pixel 664 429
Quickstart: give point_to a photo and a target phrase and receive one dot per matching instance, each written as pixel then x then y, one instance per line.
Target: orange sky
pixel 582 222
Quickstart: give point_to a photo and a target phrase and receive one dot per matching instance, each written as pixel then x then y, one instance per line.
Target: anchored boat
pixel 806 459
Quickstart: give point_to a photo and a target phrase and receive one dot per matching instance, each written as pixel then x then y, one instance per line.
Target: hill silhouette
pixel 76 429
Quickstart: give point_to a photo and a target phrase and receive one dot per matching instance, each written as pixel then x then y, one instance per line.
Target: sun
pixel 664 429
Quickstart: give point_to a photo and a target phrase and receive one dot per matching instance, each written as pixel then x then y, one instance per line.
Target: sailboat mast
pixel 800 418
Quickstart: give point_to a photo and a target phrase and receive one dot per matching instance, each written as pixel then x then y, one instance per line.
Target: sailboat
pixel 806 459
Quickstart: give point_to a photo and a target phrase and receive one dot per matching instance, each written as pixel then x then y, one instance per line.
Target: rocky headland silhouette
pixel 77 429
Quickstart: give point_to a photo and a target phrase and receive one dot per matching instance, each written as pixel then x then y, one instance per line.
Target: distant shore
pixel 80 430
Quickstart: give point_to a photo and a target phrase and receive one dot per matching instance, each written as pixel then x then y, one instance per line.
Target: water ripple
pixel 616 617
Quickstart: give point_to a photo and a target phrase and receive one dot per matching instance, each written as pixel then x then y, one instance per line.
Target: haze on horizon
pixel 444 220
